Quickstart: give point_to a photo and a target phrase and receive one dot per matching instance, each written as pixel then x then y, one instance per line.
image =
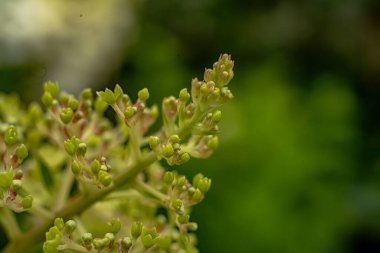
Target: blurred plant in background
pixel 305 132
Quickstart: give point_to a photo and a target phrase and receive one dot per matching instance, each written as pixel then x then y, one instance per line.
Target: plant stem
pixel 65 186
pixel 8 220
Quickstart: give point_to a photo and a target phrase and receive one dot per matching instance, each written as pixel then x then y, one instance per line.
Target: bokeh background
pixel 298 168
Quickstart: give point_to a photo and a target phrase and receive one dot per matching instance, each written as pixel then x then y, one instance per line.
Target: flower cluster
pixel 84 169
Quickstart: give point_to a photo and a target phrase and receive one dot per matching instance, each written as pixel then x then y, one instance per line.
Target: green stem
pixel 145 188
pixel 65 187
pixel 8 220
pixel 41 212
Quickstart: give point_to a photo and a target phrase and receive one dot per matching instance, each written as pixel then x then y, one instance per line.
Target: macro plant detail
pixel 90 184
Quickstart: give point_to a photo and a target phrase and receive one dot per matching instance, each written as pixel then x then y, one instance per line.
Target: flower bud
pixel 153 141
pixel 129 112
pixel 204 184
pixel 104 178
pixel 147 241
pixel 126 243
pixel 52 88
pixel 70 147
pixel 197 195
pixel 21 152
pixel 110 237
pixel 178 206
pixel 143 94
pixel 87 238
pixel 16 185
pixel 197 178
pixel 73 103
pixel 183 219
pixel 47 99
pixel 114 225
pixel 216 116
pixel 213 143
pixel 95 166
pixel 164 242
pixel 6 178
pixel 118 91
pixel 82 148
pixel 136 229
pixel 100 106
pixel 192 226
pixel 11 136
pixel 58 222
pixel 181 180
pixel 167 150
pixel 27 202
pixel 66 115
pixel 184 95
pixel 76 168
pixel 100 243
pixel 70 226
pixel 168 177
pixel 185 157
pixel 107 96
pixel 87 94
pixel 175 138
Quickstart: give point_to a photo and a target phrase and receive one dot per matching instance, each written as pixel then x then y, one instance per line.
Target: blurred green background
pixel 298 168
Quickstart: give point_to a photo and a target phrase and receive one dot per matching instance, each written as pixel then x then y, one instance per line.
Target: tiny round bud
pixel 192 226
pixel 70 147
pixel 197 195
pixel 6 178
pixel 11 136
pixel 175 138
pixel 82 148
pixel 143 94
pixel 95 166
pixel 58 222
pixel 66 115
pixel 114 225
pixel 76 168
pixel 126 243
pixel 110 237
pixel 185 157
pixel 184 95
pixel 87 238
pixel 153 141
pixel 216 116
pixel 167 150
pixel 213 143
pixel 178 206
pixel 107 96
pixel 181 180
pixel 136 229
pixel 204 184
pixel 47 99
pixel 168 177
pixel 118 91
pixel 27 202
pixel 73 103
pixel 100 106
pixel 183 219
pixel 21 152
pixel 86 94
pixel 70 226
pixel 197 178
pixel 204 88
pixel 52 88
pixel 16 185
pixel 147 241
pixel 129 112
pixel 104 178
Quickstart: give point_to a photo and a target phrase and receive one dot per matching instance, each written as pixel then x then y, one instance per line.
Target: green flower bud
pixel 52 88
pixel 143 94
pixel 11 136
pixel 100 106
pixel 213 143
pixel 168 177
pixel 100 243
pixel 21 152
pixel 70 226
pixel 34 112
pixel 82 148
pixel 167 150
pixel 216 116
pixel 87 238
pixel 184 95
pixel 87 94
pixel 185 157
pixel 66 115
pixel 110 237
pixel 103 168
pixel 129 112
pixel 126 243
pixel 153 141
pixel 76 168
pixel 183 219
pixel 118 91
pixel 147 241
pixel 47 99
pixel 48 248
pixel 204 184
pixel 73 103
pixel 104 178
pixel 70 147
pixel 197 195
pixel 178 206
pixel 175 138
pixel 27 202
pixel 95 166
pixel 192 226
pixel 164 242
pixel 181 180
pixel 107 96
pixel 196 179
pixel 136 229
pixel 114 225
pixel 59 223
pixel 6 178
pixel 16 185
pixel 64 97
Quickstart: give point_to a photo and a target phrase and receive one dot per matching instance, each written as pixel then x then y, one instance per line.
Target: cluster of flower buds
pixel 171 151
pixel 12 153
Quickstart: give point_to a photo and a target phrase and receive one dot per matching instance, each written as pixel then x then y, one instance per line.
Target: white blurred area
pixel 76 42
